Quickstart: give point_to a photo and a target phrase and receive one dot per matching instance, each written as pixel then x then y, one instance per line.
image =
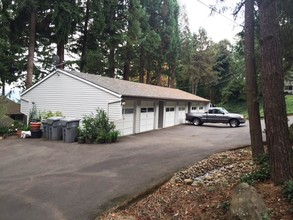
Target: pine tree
pixel 277 134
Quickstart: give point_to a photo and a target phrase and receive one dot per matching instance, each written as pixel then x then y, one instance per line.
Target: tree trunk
pixel 31 50
pixel 251 83
pixel 83 59
pixel 277 132
pixel 126 71
pixel 141 66
pixel 3 86
pixel 173 76
pixel 159 77
pixel 112 63
pixel 126 68
pixel 148 78
pixel 60 53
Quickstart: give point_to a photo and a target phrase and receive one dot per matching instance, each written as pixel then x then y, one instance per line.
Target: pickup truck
pixel 216 115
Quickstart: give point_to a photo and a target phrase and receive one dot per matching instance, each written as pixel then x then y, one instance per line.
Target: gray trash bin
pixel 45 128
pixel 55 128
pixel 69 129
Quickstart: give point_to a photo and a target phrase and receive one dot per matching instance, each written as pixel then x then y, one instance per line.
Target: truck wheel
pixel 197 122
pixel 234 123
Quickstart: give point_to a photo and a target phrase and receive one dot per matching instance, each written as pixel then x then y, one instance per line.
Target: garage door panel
pixel 181 114
pixel 128 120
pixel 147 116
pixel 170 116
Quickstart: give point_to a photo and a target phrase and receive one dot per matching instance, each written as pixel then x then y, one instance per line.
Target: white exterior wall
pixel 76 98
pixel 70 96
pixel 199 107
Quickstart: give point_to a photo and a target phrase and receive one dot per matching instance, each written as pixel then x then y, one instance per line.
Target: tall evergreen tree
pixel 132 36
pixel 65 16
pixel 251 83
pixel 280 150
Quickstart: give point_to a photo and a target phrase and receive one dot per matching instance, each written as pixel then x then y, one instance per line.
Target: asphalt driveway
pixel 42 179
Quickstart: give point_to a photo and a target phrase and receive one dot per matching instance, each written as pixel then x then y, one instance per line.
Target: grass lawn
pixel 241 108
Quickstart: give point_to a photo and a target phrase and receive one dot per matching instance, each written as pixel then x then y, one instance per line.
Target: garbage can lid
pixel 65 121
pixel 53 119
pixel 44 121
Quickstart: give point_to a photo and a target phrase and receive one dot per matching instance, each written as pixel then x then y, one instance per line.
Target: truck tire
pixel 234 123
pixel 197 122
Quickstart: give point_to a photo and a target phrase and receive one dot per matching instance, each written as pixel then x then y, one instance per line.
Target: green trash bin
pixel 69 129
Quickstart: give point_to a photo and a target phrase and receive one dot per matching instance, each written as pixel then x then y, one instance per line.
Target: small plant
pixel 33 114
pixel 80 136
pixel 262 172
pixel 225 205
pixel 288 190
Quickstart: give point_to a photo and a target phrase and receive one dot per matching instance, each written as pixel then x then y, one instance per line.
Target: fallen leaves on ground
pixel 203 191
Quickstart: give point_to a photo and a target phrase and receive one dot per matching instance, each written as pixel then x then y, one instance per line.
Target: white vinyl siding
pixel 68 95
pixel 114 111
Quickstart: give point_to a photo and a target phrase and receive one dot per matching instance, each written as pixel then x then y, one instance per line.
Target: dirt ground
pixel 203 191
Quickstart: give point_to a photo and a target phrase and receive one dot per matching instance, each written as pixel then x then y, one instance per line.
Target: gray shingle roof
pixel 134 89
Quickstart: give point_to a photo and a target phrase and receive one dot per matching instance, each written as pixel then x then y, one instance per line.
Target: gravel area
pixel 203 191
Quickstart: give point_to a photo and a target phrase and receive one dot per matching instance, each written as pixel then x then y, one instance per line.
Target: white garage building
pixel 133 107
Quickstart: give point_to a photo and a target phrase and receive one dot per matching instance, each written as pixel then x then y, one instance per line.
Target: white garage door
pixel 128 121
pixel 181 114
pixel 147 116
pixel 170 116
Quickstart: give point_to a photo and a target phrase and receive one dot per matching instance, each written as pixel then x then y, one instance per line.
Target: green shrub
pixel 98 127
pixel 3 130
pixel 89 127
pixel 288 190
pixel 262 172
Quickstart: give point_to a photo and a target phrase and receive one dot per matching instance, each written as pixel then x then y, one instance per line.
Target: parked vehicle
pixel 215 115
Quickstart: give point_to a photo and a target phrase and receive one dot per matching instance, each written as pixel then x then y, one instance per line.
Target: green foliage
pixel 98 128
pixel 261 173
pixel 2 107
pixel 33 114
pixel 36 115
pixel 288 190
pixel 3 130
pixel 225 205
pixel 89 127
pixel 48 114
pixel 105 127
pixel 235 107
pixel 289 104
pixel 241 106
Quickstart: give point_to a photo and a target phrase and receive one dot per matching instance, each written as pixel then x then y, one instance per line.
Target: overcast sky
pixel 218 27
